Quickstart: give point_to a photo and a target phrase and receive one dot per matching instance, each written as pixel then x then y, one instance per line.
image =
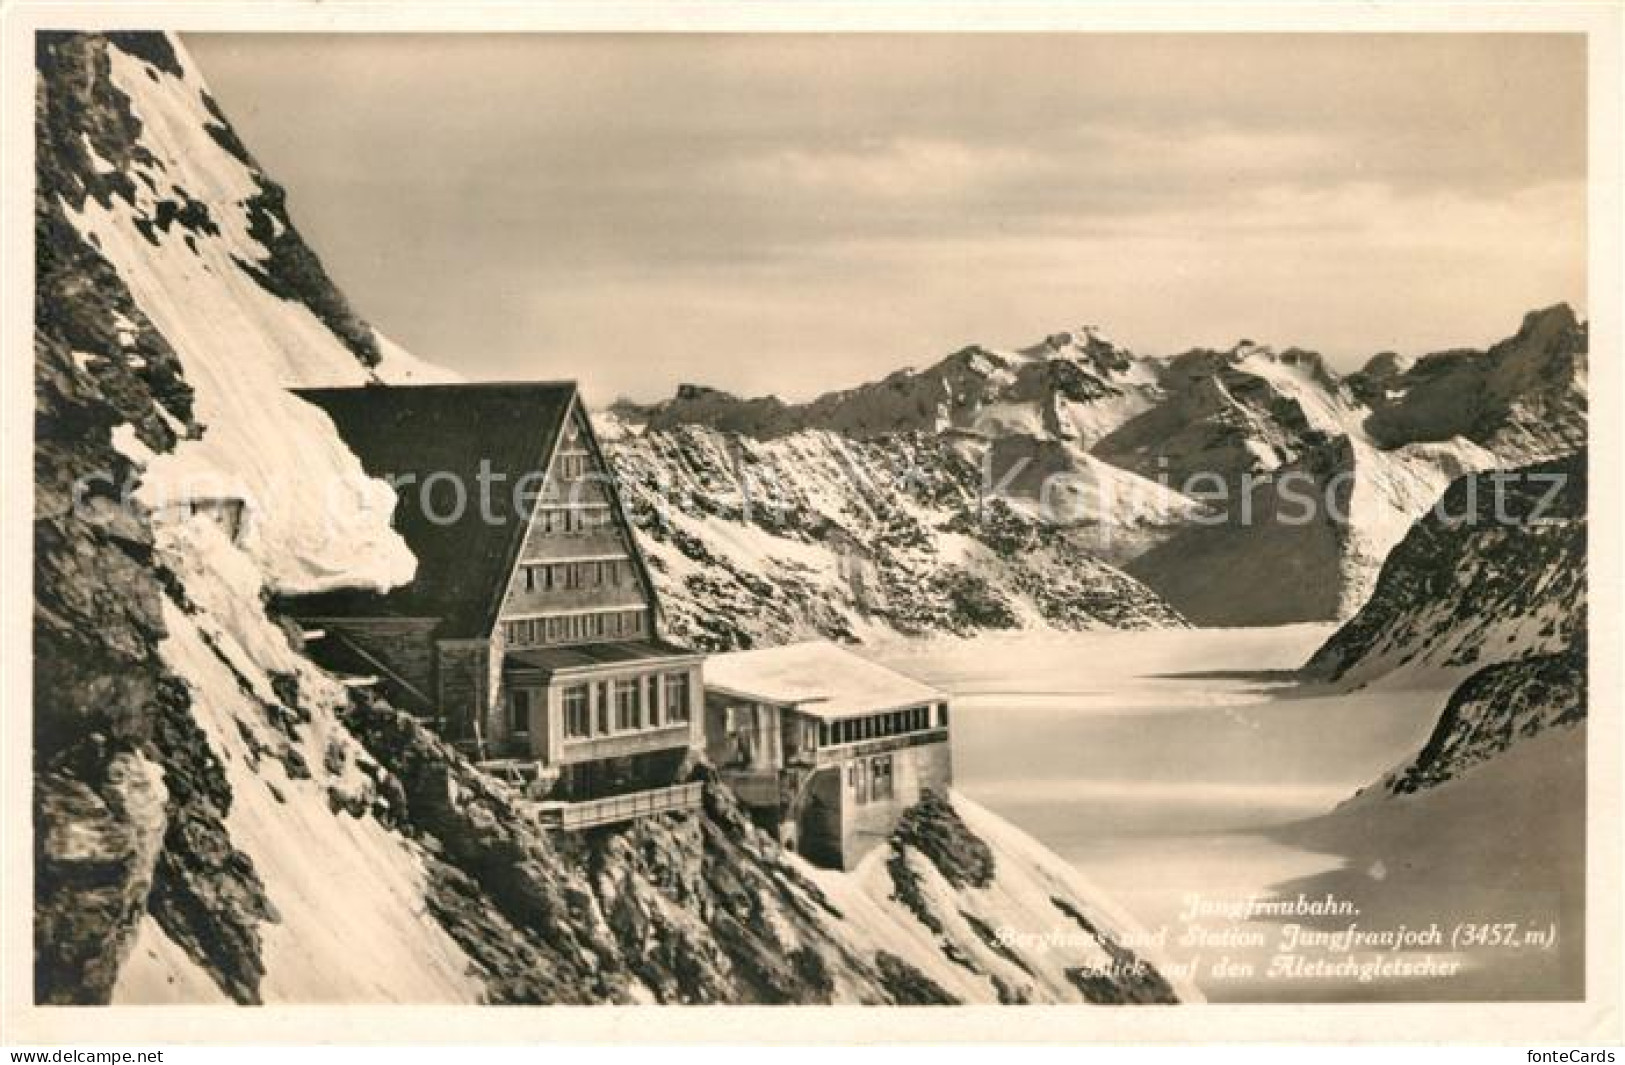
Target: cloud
pixel 795 213
pixel 887 170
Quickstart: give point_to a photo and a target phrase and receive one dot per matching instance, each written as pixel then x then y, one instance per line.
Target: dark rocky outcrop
pixel 934 828
pixel 1128 980
pixel 1486 593
pixel 1495 570
pixel 1519 398
pixel 1494 710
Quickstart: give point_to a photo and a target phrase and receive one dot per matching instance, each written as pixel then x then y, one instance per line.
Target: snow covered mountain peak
pixel 1125 436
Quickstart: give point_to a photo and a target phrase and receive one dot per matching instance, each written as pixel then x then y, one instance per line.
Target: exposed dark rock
pixel 1495 709
pixel 206 895
pixel 861 501
pixel 684 907
pixel 1128 980
pixel 907 985
pixel 934 828
pixel 1498 546
pixel 95 850
pixel 293 272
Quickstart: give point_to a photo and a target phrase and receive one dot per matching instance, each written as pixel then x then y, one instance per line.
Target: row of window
pixel 871 779
pixel 880 726
pixel 576 628
pixel 574 520
pixel 626 705
pixel 551 576
pixel 574 464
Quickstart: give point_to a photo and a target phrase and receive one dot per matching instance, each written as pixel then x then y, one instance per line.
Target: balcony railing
pixel 625 743
pixel 840 752
pixel 575 816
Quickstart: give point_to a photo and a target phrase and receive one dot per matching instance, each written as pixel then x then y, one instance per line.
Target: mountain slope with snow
pixel 816 534
pixel 1074 385
pixel 1483 603
pixel 1484 599
pixel 1495 571
pixel 218 820
pixel 1245 486
pixel 201 240
pixel 1523 398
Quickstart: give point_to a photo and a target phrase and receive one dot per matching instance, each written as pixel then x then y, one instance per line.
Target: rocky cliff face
pixel 1495 710
pixel 1484 598
pixel 817 534
pixel 1244 486
pixel 218 820
pixel 1495 571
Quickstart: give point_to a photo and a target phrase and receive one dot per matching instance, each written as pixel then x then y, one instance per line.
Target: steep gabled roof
pixel 427 439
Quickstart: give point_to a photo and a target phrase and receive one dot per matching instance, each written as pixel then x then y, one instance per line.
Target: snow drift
pixel 201 239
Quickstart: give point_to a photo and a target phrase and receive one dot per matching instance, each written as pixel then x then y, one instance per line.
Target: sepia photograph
pixel 719 516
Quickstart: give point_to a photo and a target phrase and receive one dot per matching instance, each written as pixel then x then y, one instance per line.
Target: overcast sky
pixel 795 213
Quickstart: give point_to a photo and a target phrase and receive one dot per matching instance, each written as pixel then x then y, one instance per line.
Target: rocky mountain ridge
pixel 1485 598
pixel 1242 486
pixel 815 534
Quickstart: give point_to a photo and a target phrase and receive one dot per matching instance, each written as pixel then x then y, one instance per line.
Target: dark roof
pixel 553 659
pixel 444 435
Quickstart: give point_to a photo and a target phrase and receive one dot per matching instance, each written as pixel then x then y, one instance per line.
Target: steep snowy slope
pixel 1483 602
pixel 201 240
pixel 950 499
pixel 1325 503
pixel 215 818
pixel 1495 571
pixel 961 883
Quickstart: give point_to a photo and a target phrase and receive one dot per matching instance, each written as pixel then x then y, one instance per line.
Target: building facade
pixel 825 748
pixel 530 631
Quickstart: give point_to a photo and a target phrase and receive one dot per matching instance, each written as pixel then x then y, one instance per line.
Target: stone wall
pixel 404 645
pixel 464 679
